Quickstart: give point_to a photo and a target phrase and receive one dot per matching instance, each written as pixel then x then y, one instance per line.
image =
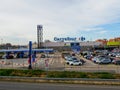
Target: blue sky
pixel 93 19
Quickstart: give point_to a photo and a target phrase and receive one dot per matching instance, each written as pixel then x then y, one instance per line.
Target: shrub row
pixel 25 73
pixel 58 74
pixel 66 74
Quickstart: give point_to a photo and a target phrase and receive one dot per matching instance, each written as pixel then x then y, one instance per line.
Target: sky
pixel 92 19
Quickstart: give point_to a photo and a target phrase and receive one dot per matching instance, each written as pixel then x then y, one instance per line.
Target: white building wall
pixel 57 44
pixel 90 43
pixel 53 44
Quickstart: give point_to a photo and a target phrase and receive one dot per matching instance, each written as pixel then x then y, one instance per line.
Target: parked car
pixel 70 60
pixel 21 56
pixel 67 57
pixel 81 60
pixel 65 54
pixel 0 56
pixel 103 60
pixel 89 57
pixel 117 62
pixel 95 59
pixel 75 62
pixel 11 56
pixel 117 54
pixel 42 56
pixel 114 54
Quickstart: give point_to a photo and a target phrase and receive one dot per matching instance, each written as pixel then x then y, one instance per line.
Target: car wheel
pixel 80 64
pixel 100 63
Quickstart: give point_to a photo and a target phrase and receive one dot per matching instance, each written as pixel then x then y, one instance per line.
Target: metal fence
pixel 46 65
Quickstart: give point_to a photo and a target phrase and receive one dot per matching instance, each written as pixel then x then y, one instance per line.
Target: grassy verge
pixel 58 74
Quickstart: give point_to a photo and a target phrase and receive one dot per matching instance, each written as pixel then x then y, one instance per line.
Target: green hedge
pixel 66 74
pixel 58 74
pixel 27 73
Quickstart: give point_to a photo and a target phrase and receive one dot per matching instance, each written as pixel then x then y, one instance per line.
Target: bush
pixel 57 74
pixel 106 76
pixel 5 72
pixel 66 74
pixel 14 72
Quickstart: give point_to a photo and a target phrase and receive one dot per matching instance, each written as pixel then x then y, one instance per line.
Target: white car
pixel 75 62
pixel 70 60
pixel 67 57
pixel 118 55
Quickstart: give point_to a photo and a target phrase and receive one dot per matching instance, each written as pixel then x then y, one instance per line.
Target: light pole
pixel 1 41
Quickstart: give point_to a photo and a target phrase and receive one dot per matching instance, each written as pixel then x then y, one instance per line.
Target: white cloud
pixel 102 32
pixel 19 18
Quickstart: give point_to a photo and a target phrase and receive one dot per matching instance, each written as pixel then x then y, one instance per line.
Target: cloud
pixel 102 32
pixel 19 18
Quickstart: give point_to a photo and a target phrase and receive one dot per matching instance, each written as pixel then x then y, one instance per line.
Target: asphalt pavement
pixel 49 86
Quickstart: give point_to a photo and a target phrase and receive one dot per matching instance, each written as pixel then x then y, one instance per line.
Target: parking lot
pixel 57 62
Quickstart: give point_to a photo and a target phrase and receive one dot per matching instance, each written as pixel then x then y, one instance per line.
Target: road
pixel 47 86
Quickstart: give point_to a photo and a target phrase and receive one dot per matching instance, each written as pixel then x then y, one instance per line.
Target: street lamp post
pixel 1 42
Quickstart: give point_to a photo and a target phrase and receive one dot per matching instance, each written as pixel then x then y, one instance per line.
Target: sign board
pixel 75 47
pixel 73 39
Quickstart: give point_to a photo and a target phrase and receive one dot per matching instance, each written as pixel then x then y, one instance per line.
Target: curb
pixel 62 80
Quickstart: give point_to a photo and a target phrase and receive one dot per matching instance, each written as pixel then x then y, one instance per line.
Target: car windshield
pixel 70 59
pixel 100 58
pixel 76 61
pixel 118 61
pixel 74 58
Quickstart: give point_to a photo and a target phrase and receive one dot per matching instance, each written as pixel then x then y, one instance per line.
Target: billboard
pixel 113 43
pixel 73 39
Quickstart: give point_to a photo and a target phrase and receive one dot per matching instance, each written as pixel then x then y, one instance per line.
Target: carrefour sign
pixel 68 39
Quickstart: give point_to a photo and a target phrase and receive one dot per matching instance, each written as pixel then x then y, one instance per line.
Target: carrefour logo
pixel 69 39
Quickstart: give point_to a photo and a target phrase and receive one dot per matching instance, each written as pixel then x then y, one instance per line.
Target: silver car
pixel 103 61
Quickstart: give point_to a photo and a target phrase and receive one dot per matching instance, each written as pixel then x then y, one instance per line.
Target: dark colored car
pixel 43 56
pixel 117 62
pixel 65 54
pixel 10 57
pixel 82 61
